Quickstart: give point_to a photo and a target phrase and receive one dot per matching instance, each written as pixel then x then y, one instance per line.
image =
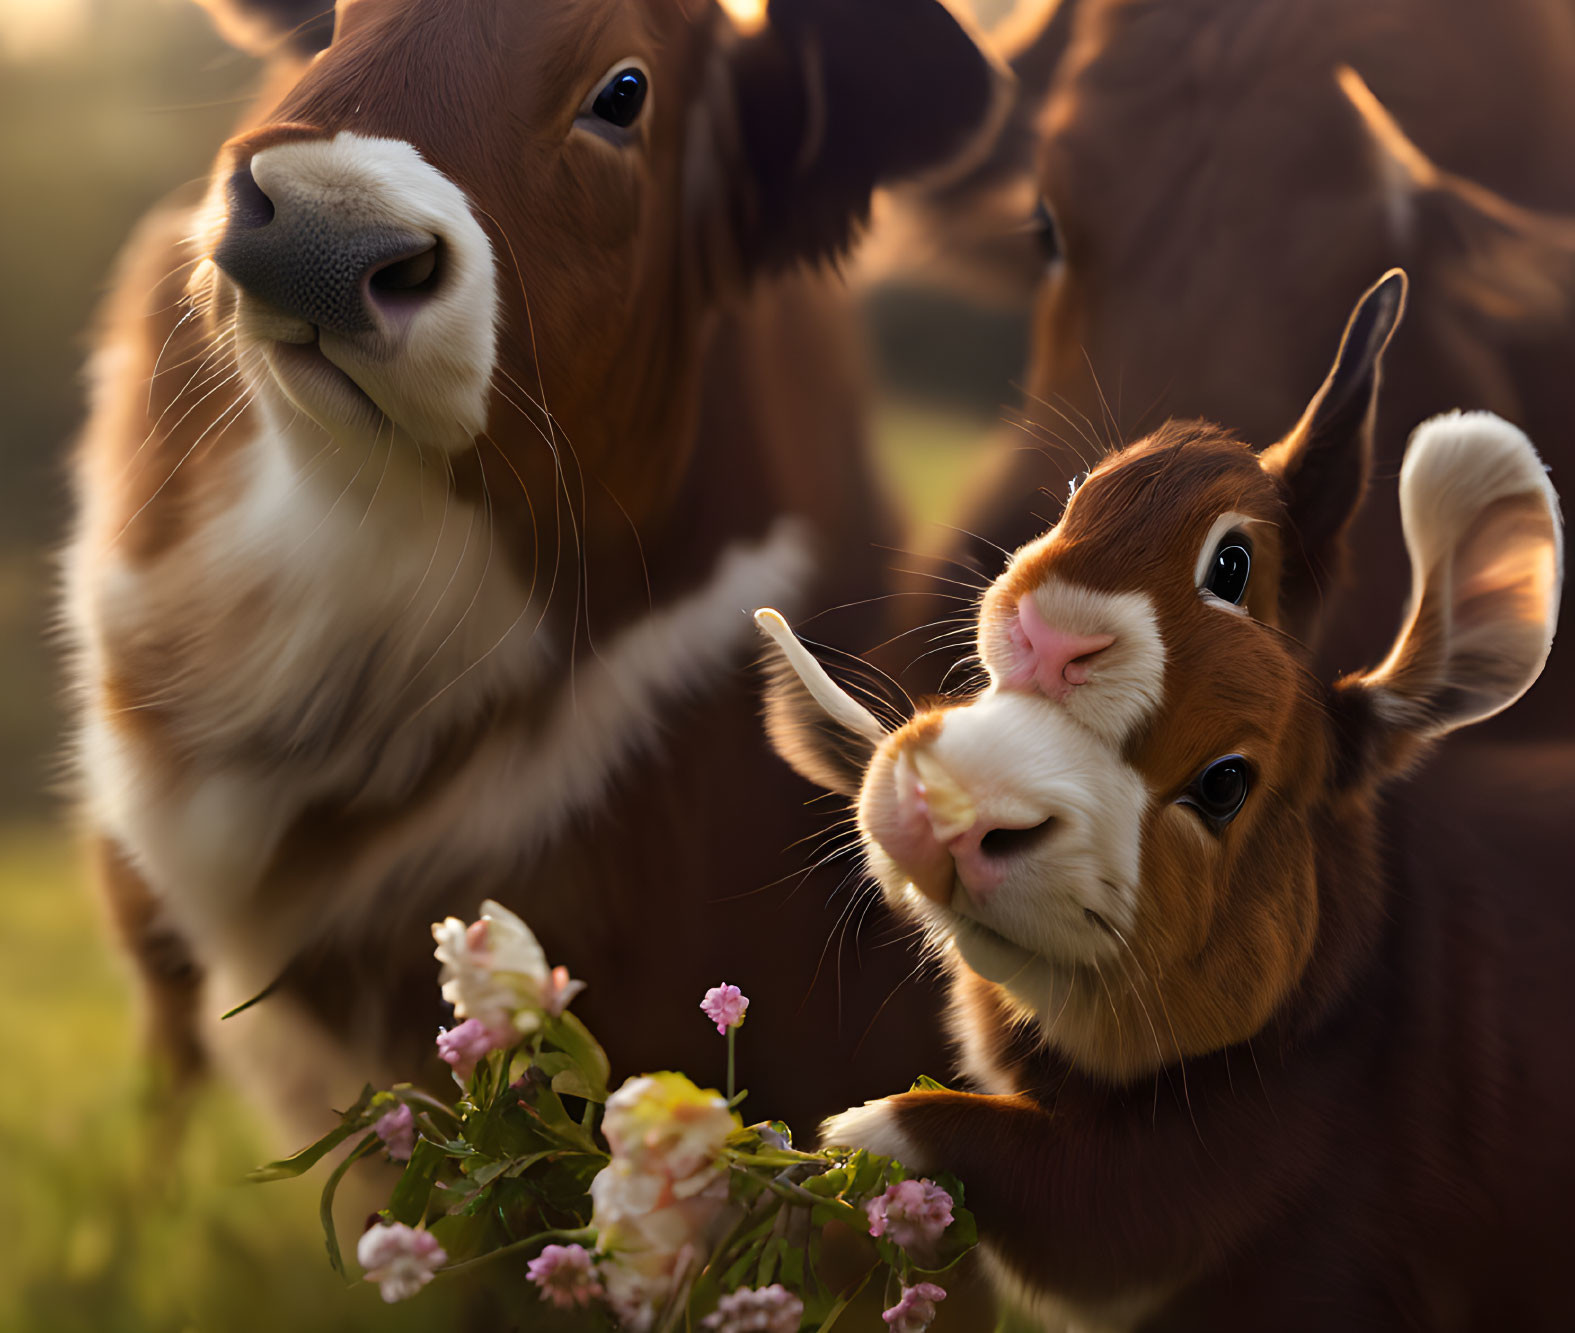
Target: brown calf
pixel 1212 200
pixel 1261 1039
pixel 436 455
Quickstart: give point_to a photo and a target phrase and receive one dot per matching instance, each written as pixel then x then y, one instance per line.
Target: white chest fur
pixel 321 635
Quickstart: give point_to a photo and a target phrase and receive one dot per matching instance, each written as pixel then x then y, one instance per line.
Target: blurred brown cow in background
pixel 436 456
pixel 1191 170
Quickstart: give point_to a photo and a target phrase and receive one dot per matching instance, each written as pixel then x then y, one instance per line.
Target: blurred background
pixel 105 106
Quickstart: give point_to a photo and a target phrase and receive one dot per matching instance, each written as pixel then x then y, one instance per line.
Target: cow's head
pixel 1152 833
pixel 505 222
pixel 1174 178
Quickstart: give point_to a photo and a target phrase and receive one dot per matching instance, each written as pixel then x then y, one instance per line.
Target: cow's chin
pixel 362 400
pixel 310 381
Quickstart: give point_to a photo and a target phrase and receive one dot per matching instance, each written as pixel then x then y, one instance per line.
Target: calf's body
pixel 1402 1164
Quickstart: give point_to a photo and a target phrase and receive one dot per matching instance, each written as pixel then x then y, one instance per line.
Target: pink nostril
pixel 1048 658
pixel 983 854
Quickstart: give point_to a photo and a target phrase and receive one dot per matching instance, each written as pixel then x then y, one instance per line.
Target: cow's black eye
pixel 1218 792
pixel 1045 233
pixel 1229 568
pixel 622 97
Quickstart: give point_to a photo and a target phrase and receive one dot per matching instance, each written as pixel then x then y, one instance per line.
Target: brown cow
pixel 1212 200
pixel 1258 1045
pixel 436 455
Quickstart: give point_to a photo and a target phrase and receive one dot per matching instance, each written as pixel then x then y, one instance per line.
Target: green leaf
pixel 769 1258
pixel 574 1039
pixel 792 1267
pixel 307 1158
pixel 924 1083
pixel 829 1183
pixel 741 1265
pixel 325 1207
pixel 409 1201
pixel 842 1303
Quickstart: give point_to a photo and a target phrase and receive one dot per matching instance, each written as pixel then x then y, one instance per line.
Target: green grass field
pixel 99 1237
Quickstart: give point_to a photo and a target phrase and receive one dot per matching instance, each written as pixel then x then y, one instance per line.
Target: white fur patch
pixel 874 1128
pixel 377 618
pixel 1485 536
pixel 1126 682
pixel 1022 760
pixel 431 373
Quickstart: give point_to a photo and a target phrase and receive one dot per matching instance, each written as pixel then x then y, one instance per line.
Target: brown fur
pixel 1206 174
pixel 1319 1088
pixel 702 382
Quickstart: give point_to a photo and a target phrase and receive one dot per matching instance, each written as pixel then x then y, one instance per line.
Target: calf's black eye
pixel 622 97
pixel 1229 569
pixel 1220 790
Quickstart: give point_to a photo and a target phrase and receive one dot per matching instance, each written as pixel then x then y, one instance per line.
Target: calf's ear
pixel 1323 464
pixel 1486 542
pixel 270 28
pixel 824 734
pixel 832 98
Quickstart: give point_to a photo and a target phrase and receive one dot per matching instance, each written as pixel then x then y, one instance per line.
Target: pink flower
pixel 397 1129
pixel 559 989
pixel 771 1309
pixel 565 1275
pixel 915 1312
pixel 400 1259
pixel 465 1046
pixel 724 1005
pixel 913 1213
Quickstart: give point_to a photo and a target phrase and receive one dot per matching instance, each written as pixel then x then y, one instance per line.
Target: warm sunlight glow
pixel 33 27
pixel 747 15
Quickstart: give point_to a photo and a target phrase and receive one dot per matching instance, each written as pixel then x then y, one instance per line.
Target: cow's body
pixel 1206 175
pixel 340 680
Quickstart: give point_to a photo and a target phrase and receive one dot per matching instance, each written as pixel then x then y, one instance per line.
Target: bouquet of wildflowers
pixel 650 1208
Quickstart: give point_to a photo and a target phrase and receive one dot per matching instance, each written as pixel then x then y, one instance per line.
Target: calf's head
pixel 1147 832
pixel 507 220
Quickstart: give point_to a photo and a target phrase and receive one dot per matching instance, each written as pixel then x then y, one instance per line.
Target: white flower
pixel 494 971
pixel 661 1199
pixel 400 1259
pixel 665 1125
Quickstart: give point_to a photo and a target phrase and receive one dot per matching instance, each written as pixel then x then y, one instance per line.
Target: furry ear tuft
pixel 1484 532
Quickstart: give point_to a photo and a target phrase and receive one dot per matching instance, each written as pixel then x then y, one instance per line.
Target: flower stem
pixel 731 1033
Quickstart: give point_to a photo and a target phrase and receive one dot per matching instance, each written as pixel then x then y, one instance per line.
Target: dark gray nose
pixel 302 260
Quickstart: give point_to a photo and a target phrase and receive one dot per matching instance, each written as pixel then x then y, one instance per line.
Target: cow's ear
pixel 824 734
pixel 986 231
pixel 1486 542
pixel 1493 269
pixel 1323 464
pixel 832 98
pixel 274 28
